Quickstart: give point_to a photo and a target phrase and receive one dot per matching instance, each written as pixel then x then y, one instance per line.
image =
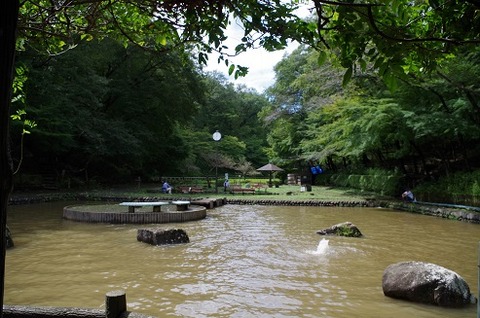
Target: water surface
pixel 243 261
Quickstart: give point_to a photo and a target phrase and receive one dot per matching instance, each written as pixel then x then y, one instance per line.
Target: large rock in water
pixel 342 229
pixel 161 236
pixel 426 283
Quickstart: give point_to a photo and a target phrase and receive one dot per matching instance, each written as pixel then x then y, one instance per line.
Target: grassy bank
pixel 283 192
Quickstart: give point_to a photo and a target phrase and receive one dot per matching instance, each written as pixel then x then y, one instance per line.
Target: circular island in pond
pixel 136 212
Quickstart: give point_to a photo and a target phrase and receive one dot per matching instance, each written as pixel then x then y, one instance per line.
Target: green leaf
pixel 363 65
pixel 347 76
pixel 322 57
pixel 390 80
pixel 231 69
pixel 86 37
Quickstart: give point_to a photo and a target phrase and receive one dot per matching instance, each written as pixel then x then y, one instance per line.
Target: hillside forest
pixel 103 113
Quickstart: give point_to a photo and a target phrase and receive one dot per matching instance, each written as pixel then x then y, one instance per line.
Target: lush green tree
pixel 233 112
pixel 398 37
pixel 428 126
pixel 206 155
pixel 106 110
pixel 360 130
pixel 445 120
pixel 302 86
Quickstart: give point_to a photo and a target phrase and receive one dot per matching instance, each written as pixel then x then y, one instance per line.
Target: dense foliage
pixel 398 41
pixel 425 129
pixel 108 113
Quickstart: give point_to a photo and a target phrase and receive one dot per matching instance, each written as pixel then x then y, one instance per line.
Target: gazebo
pixel 270 168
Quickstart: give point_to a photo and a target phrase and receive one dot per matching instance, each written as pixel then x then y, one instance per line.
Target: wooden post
pixel 478 283
pixel 115 303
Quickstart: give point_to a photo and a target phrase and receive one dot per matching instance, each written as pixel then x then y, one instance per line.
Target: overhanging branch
pixel 323 21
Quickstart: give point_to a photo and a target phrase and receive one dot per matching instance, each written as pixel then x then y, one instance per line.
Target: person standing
pixel 226 185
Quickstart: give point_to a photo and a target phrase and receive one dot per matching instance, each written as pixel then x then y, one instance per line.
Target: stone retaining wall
pixel 458 214
pixel 75 214
pixel 302 203
pixel 438 211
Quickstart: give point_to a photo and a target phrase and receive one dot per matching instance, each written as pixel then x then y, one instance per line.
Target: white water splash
pixel 322 247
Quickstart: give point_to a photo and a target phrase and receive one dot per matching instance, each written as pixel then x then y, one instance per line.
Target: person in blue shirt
pixel 226 185
pixel 408 196
pixel 166 188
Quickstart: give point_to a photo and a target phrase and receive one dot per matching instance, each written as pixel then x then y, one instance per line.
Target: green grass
pixel 283 192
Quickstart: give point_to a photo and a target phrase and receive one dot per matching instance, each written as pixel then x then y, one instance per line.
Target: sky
pixel 260 62
pixel 260 65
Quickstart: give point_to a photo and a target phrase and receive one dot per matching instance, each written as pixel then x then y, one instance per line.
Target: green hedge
pixel 372 180
pixel 459 188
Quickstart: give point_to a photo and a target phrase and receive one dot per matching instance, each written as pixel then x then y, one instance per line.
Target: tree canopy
pixel 398 37
pixel 426 128
pixel 115 113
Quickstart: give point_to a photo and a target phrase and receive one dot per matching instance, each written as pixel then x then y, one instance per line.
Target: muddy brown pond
pixel 242 261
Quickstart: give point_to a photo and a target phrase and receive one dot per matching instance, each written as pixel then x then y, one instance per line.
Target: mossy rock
pixel 347 229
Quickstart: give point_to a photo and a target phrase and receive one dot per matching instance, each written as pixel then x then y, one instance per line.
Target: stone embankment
pixel 301 202
pixel 461 213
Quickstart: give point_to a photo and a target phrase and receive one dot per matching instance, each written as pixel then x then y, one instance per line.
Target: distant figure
pixel 315 170
pixel 226 185
pixel 166 188
pixel 408 196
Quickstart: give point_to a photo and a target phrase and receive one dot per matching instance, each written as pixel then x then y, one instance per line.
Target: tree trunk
pixel 8 25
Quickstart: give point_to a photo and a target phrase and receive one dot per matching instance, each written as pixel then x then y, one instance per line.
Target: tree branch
pixel 372 21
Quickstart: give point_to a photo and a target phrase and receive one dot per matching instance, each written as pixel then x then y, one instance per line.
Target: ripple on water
pixel 243 261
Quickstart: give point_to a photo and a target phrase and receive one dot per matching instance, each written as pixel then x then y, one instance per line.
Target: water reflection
pixel 243 261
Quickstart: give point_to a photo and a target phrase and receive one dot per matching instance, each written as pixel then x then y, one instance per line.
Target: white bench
pixel 132 205
pixel 181 205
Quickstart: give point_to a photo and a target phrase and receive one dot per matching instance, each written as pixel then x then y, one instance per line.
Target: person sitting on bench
pixel 166 188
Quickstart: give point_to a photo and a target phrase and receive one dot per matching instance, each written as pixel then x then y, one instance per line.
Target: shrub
pixel 374 180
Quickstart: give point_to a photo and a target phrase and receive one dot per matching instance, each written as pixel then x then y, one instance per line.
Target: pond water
pixel 242 261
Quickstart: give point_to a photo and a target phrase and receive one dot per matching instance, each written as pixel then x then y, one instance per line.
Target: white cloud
pixel 260 65
pixel 260 62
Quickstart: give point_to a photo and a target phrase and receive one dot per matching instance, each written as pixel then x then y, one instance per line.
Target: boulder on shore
pixel 342 229
pixel 426 283
pixel 162 237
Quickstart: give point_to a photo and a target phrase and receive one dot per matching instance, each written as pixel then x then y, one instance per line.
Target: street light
pixel 216 137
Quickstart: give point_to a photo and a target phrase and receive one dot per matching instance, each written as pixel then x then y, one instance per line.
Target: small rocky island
pixel 342 229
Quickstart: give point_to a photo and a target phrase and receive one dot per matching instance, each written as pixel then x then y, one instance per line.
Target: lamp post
pixel 216 137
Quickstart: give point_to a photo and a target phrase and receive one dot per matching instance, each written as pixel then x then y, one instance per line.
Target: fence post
pixel 115 303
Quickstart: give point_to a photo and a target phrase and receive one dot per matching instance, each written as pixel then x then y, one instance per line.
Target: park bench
pixel 260 187
pixel 190 189
pixel 238 189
